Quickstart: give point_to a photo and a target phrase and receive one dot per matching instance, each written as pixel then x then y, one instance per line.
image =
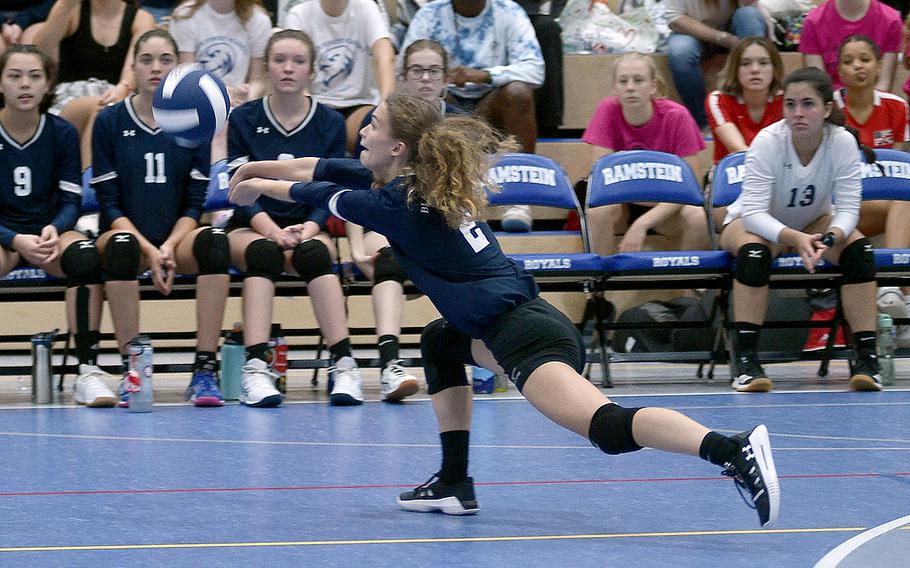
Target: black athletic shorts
pixel 532 334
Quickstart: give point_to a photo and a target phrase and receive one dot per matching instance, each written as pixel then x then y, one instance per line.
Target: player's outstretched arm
pixel 298 169
pixel 248 191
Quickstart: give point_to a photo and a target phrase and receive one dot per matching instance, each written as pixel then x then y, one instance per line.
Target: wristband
pixel 829 239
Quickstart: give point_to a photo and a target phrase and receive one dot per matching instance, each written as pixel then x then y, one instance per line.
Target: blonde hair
pixel 243 8
pixel 652 67
pixel 449 157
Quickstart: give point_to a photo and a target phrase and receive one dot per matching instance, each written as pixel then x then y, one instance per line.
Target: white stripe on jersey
pixel 71 187
pixel 105 177
pixel 333 204
pixel 237 162
pixel 196 174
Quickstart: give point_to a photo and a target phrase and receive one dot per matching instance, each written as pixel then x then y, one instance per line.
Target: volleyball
pixel 190 105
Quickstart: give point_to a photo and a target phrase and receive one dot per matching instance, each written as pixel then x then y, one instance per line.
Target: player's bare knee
pixel 387 268
pixel 444 351
pixel 212 251
pixel 120 258
pixel 753 265
pixel 264 259
pixel 611 429
pixel 857 262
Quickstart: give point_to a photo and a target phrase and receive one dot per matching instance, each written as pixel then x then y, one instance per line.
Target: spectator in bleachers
pixel 151 192
pixel 496 66
pixel 827 25
pixel 356 66
pixel 881 120
pixel 795 169
pixel 639 117
pixel 271 236
pixel 91 40
pixel 40 201
pixel 702 28
pixel 20 19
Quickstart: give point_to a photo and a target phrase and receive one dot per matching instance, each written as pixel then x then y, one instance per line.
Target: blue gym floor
pixel 311 485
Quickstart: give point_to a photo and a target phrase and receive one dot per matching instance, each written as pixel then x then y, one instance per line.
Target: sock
pixel 718 449
pixel 865 343
pixel 257 351
pixel 747 335
pixel 388 350
pixel 454 456
pixel 341 349
pixel 206 361
pixel 87 347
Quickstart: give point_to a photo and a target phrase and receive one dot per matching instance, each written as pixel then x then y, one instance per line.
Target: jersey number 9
pixel 22 177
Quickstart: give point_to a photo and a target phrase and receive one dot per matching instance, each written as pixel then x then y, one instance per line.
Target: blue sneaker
pixel 203 390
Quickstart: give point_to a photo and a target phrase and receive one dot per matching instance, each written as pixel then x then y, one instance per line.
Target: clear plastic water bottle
pixel 502 384
pixel 139 374
pixel 280 359
pixel 885 346
pixel 233 357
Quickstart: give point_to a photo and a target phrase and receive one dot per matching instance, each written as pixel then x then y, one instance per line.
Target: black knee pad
pixel 445 352
pixel 311 259
pixel 386 267
pixel 265 259
pixel 753 265
pixel 611 429
pixel 212 252
pixel 81 264
pixel 120 258
pixel 858 262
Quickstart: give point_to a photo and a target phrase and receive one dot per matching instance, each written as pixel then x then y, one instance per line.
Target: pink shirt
pixel 824 29
pixel 671 129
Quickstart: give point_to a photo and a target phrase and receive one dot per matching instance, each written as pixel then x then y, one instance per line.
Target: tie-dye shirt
pixel 500 40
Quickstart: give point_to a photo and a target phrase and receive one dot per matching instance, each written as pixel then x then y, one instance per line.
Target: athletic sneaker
pixel 752 377
pixel 257 385
pixel 396 383
pixel 866 375
pixel 890 301
pixel 437 495
pixel 90 388
pixel 753 470
pixel 203 390
pixel 345 384
pixel 517 219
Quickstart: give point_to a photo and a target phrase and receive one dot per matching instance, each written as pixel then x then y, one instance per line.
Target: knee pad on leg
pixel 211 251
pixel 120 258
pixel 858 262
pixel 753 265
pixel 264 259
pixel 386 267
pixel 611 429
pixel 445 351
pixel 81 264
pixel 311 260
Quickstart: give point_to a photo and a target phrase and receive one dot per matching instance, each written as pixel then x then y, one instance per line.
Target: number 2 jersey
pixel 40 180
pixel 778 191
pixel 463 271
pixel 138 172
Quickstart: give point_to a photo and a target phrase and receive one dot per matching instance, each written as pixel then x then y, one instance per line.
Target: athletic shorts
pixel 532 334
pixel 65 93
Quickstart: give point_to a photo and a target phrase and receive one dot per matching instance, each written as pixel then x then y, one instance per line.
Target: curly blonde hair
pixel 450 157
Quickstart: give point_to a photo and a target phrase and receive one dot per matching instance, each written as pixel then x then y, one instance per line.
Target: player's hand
pixel 49 241
pixel 115 94
pixel 459 75
pixel 245 192
pixel 285 239
pixel 31 249
pixel 12 33
pixel 810 249
pixel 162 277
pixel 633 240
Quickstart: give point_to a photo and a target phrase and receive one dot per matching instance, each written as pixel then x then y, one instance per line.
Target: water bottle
pixel 139 374
pixel 233 358
pixel 280 359
pixel 483 380
pixel 502 384
pixel 42 367
pixel 885 347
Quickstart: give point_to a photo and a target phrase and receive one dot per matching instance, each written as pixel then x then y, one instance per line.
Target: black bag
pixel 649 340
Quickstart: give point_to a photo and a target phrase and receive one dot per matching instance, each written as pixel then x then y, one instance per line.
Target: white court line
pixel 833 558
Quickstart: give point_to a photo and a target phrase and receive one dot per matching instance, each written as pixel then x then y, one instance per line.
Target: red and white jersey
pixel 778 191
pixel 723 108
pixel 886 126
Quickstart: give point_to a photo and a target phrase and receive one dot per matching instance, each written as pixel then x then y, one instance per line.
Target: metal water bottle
pixel 42 367
pixel 139 375
pixel 233 357
pixel 885 346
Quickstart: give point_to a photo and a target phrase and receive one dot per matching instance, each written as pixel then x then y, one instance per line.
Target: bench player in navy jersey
pixel 427 178
pixel 40 201
pixel 151 193
pixel 270 237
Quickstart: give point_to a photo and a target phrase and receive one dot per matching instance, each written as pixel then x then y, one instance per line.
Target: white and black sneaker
pixel 750 376
pixel 257 385
pixel 437 495
pixel 866 375
pixel 753 470
pixel 345 383
pixel 91 387
pixel 396 384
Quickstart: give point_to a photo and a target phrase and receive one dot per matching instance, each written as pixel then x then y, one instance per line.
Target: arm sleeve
pixel 848 189
pixel 525 60
pixel 197 184
pixel 758 187
pixel 344 172
pixel 688 140
pixel 33 14
pixel 69 166
pixel 369 209
pixel 376 24
pixel 182 31
pixel 260 30
pixel 674 9
pixel 6 236
pixel 104 175
pixel 598 129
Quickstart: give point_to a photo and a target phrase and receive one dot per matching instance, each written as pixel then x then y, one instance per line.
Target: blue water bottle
pixel 483 380
pixel 139 375
pixel 233 358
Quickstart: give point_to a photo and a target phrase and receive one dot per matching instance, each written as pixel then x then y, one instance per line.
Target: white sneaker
pixel 396 383
pixel 890 301
pixel 345 384
pixel 517 219
pixel 90 388
pixel 257 385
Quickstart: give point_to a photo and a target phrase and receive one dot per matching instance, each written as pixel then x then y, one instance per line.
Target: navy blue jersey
pixel 463 271
pixel 447 110
pixel 254 134
pixel 40 180
pixel 140 173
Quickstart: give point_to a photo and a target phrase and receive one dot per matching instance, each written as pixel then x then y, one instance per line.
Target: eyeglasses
pixel 416 72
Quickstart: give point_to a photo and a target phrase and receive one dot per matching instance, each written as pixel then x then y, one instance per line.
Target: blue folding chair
pixel 89 199
pixel 891 182
pixel 216 196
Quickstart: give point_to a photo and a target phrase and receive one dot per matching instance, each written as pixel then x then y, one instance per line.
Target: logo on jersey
pixel 335 65
pixel 129 133
pixel 262 130
pixel 642 170
pixel 882 137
